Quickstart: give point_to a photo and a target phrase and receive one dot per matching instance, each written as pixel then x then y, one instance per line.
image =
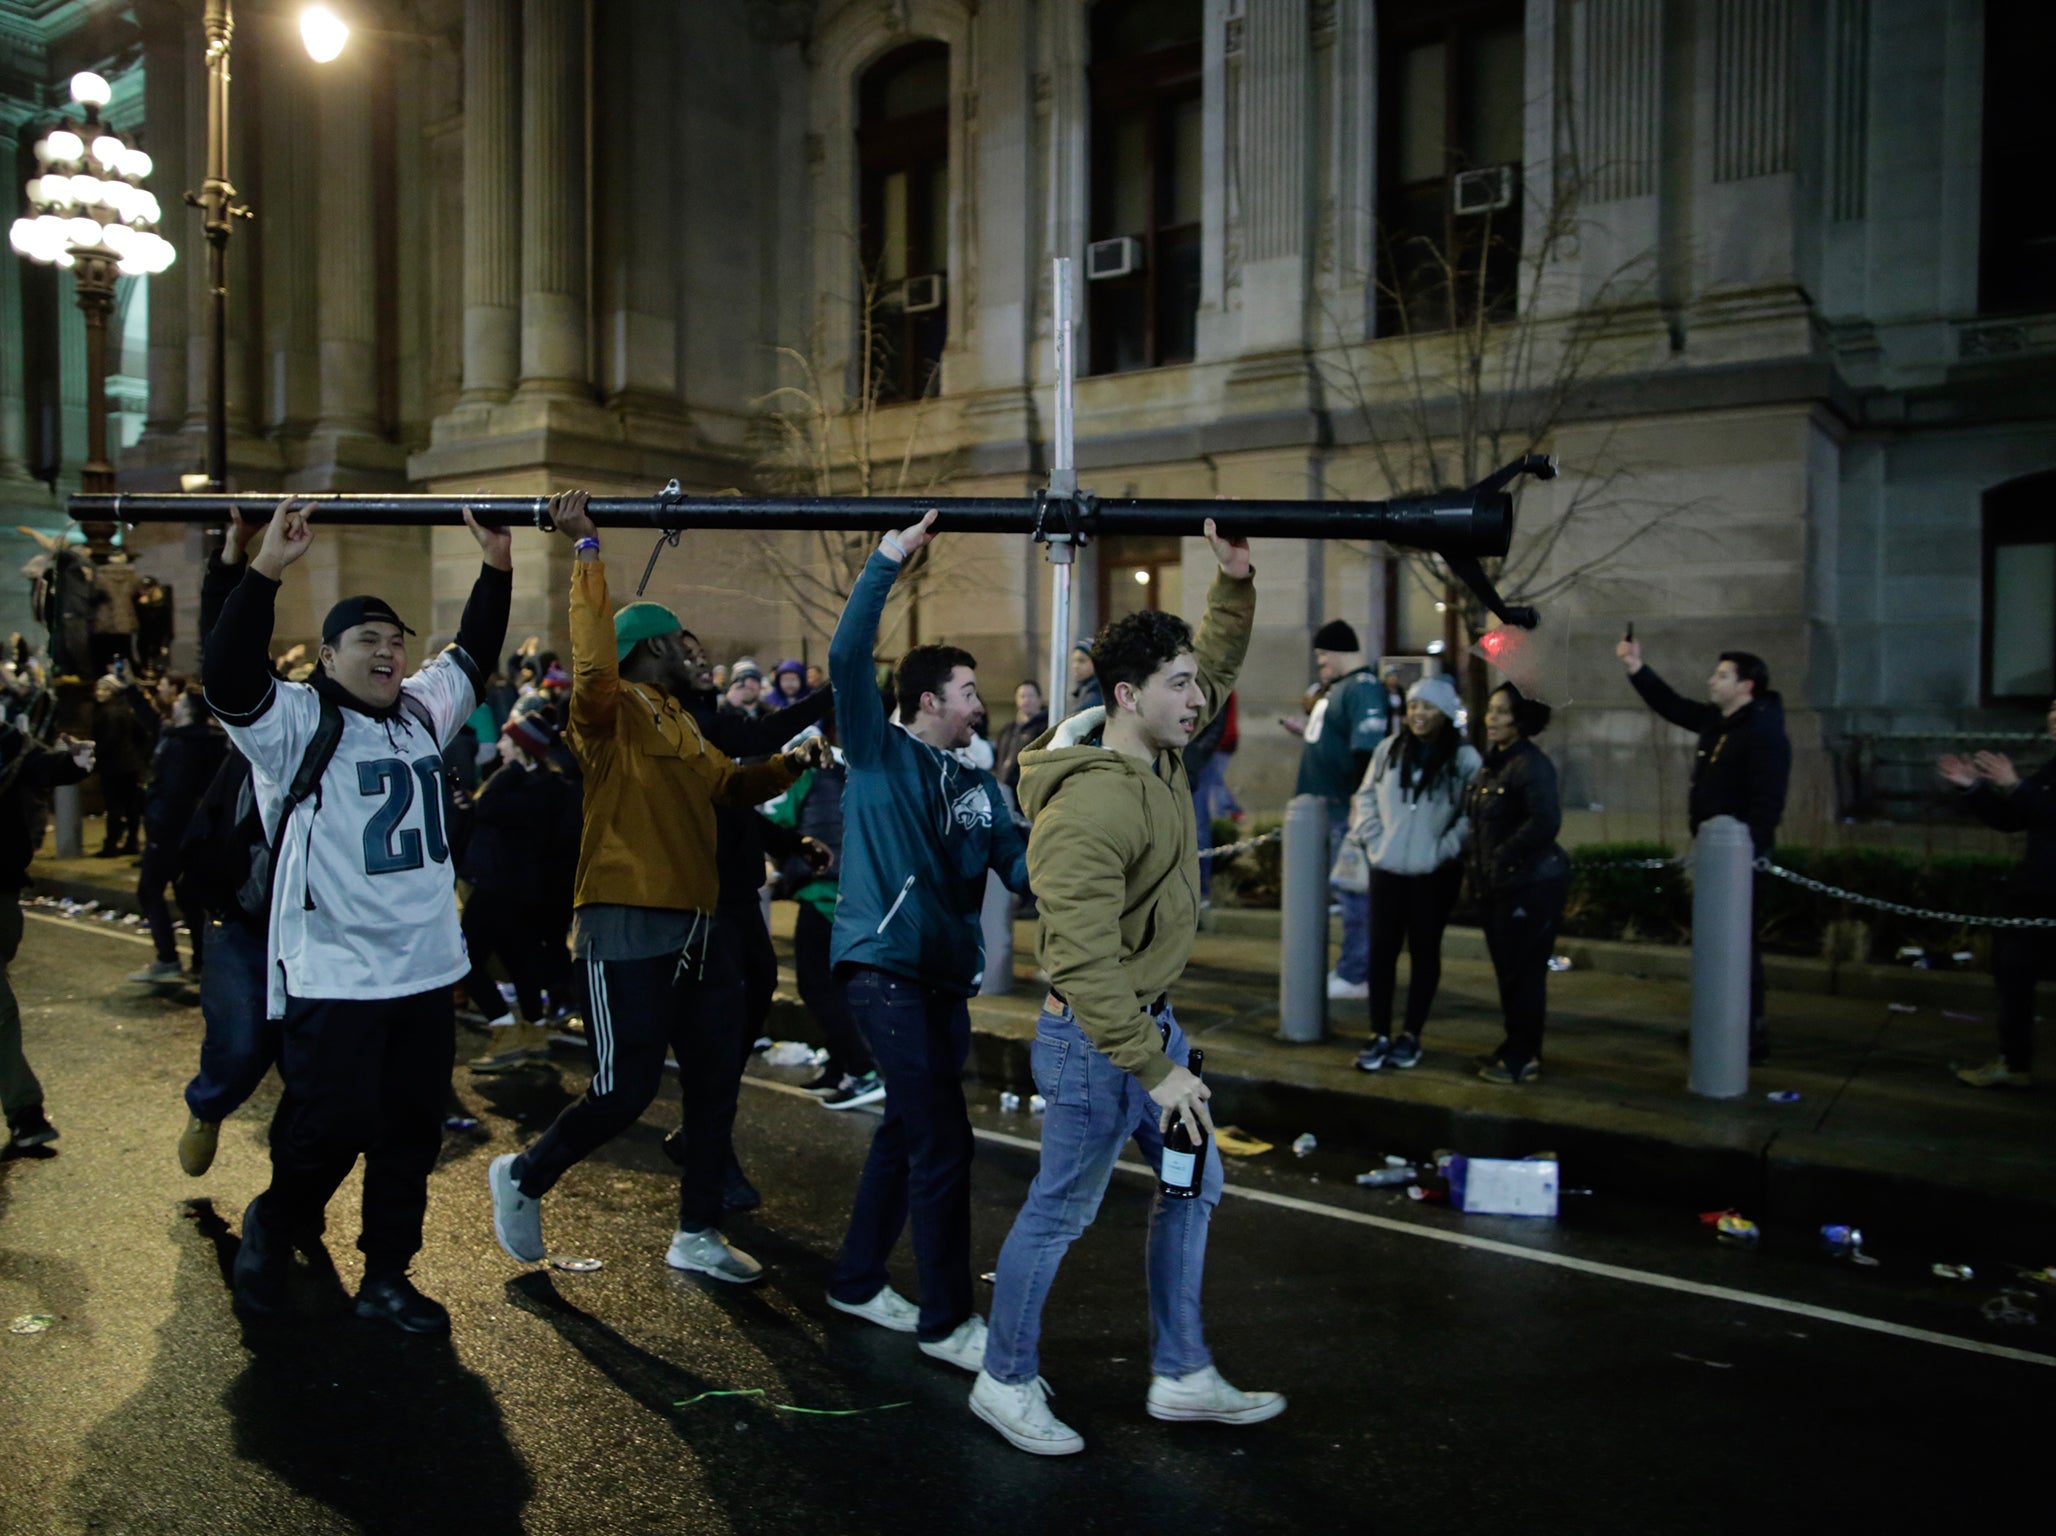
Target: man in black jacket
pixel 1743 767
pixel 188 754
pixel 1999 797
pixel 24 768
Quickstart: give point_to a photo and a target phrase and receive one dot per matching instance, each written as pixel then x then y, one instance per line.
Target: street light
pixel 324 33
pixel 91 213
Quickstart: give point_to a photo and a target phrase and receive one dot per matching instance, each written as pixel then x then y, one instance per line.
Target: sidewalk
pixel 1882 1136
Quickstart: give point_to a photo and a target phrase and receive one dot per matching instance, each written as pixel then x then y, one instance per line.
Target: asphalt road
pixel 1614 1371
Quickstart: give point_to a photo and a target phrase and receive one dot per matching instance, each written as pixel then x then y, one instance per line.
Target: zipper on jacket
pixel 893 910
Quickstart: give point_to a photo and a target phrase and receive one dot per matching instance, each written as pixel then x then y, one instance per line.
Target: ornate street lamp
pixel 93 215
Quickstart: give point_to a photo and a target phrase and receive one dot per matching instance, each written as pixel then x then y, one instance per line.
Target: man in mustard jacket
pixel 1113 860
pixel 658 969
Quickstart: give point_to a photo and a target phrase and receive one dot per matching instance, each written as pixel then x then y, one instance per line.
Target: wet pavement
pixel 1614 1371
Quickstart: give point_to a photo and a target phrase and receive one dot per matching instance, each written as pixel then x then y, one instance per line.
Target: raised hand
pixel 496 544
pixel 567 515
pixel 901 545
pixel 1630 651
pixel 1997 767
pixel 1233 554
pixel 1957 770
pixel 288 536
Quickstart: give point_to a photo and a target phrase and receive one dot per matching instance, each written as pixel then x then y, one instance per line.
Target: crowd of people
pixel 579 849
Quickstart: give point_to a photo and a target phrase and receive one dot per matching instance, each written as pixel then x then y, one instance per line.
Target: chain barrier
pixel 1898 909
pixel 1228 850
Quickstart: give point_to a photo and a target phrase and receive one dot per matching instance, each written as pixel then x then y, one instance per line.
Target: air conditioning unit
pixel 921 294
pixel 1485 191
pixel 1118 257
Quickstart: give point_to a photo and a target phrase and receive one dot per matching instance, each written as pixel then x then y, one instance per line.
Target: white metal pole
pixel 1063 481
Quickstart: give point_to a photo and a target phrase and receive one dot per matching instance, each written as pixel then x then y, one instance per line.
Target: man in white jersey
pixel 364 946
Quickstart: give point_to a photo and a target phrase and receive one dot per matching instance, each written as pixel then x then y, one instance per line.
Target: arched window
pixel 2019 661
pixel 1143 275
pixel 903 158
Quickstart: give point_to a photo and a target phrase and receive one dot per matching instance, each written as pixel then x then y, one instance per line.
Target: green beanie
pixel 641 621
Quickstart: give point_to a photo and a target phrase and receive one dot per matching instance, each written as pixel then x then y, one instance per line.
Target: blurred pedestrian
pixel 1997 795
pixel 1031 719
pixel 1084 682
pixel 817 677
pixel 25 769
pixel 1405 849
pixel 745 695
pixel 788 684
pixel 1341 731
pixel 188 755
pixel 122 748
pixel 1518 874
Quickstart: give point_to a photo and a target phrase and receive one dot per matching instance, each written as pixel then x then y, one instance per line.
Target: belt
pixel 1056 1003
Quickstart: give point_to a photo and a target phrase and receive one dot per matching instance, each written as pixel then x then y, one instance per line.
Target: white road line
pixel 90 925
pixel 1590 1266
pixel 1435 1234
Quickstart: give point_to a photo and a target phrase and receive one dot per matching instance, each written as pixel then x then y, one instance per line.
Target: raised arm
pixel 742 737
pixel 483 629
pixel 235 662
pixel 595 666
pixel 1670 704
pixel 1223 638
pixel 860 720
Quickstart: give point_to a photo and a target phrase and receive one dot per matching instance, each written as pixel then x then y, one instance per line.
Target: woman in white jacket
pixel 1405 845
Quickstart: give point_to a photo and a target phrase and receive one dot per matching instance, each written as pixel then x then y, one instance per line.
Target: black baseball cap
pixel 352 611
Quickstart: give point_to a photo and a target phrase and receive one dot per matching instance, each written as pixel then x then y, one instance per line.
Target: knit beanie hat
pixel 1335 636
pixel 533 731
pixel 1440 692
pixel 641 621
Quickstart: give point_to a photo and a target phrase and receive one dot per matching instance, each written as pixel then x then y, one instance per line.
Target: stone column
pixel 1273 152
pixel 14 425
pixel 636 208
pixel 346 302
pixel 492 201
pixel 164 124
pixel 286 191
pixel 553 275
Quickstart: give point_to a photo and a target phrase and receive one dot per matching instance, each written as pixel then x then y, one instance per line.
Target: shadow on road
pixel 741 1472
pixel 370 1423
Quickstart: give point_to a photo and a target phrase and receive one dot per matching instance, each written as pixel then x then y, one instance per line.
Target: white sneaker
pixel 1203 1395
pixel 712 1254
pixel 964 1349
pixel 1338 988
pixel 517 1219
pixel 1021 1414
pixel 888 1309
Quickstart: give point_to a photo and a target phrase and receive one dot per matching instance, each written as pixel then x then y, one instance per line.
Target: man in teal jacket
pixel 920 829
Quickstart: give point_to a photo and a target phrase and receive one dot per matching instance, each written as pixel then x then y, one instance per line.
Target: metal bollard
pixel 71 832
pixel 996 918
pixel 1722 915
pixel 1303 923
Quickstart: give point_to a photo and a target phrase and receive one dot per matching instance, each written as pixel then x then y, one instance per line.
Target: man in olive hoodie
pixel 1113 858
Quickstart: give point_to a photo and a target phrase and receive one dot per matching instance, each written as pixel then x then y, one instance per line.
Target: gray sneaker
pixel 712 1254
pixel 159 972
pixel 517 1219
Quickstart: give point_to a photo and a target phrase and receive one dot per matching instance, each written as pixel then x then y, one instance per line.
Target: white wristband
pixel 898 553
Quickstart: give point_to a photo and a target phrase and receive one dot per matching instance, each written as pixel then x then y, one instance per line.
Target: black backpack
pixel 225 860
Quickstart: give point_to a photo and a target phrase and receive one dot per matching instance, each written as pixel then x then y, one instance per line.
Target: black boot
pixel 391 1298
pixel 262 1263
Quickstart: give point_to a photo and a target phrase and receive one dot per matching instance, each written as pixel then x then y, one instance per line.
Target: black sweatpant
pixel 1520 933
pixel 743 926
pixel 160 863
pixel 635 1008
pixel 361 1079
pixel 522 937
pixel 821 991
pixel 1412 910
pixel 123 797
pixel 2021 957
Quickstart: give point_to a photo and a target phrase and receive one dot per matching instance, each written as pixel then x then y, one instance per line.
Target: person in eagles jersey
pixel 363 949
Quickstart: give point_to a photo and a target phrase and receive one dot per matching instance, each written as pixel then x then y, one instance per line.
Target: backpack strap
pixel 422 717
pixel 321 750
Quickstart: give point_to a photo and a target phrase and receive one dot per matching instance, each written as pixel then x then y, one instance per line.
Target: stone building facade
pixel 520 245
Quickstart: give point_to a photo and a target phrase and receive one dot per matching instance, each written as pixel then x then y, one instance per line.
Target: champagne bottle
pixel 1184 1158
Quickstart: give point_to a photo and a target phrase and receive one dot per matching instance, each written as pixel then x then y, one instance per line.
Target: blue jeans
pixel 240 1045
pixel 1095 1107
pixel 920 1158
pixel 1354 963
